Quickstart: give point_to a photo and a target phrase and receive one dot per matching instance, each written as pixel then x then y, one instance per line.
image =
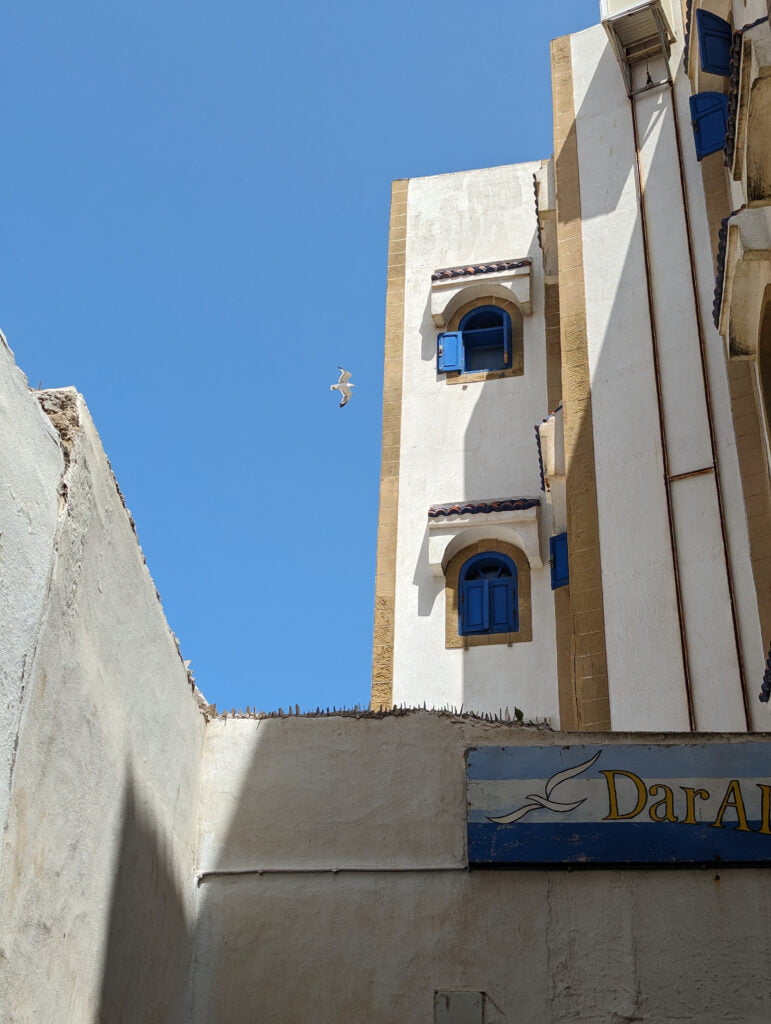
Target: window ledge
pixel 472 378
pixel 449 531
pixel 452 288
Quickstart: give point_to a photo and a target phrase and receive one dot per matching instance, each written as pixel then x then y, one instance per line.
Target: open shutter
pixel 715 37
pixel 474 613
pixel 449 351
pixel 558 550
pixel 502 618
pixel 709 118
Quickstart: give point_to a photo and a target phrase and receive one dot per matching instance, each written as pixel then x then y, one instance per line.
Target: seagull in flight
pixel 343 386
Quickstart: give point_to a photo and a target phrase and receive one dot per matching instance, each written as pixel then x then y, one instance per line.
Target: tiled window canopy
pixel 452 287
pixel 455 525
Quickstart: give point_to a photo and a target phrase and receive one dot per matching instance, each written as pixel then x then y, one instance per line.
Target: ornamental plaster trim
pixel 448 295
pixel 450 534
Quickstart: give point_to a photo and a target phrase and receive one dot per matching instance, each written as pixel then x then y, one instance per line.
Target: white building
pixel 618 573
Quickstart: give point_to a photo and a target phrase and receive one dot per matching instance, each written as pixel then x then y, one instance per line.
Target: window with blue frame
pixel 488 595
pixel 482 342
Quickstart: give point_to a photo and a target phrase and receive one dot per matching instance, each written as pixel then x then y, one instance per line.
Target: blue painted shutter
pixel 474 613
pixel 715 37
pixel 449 351
pixel 501 606
pixel 558 550
pixel 709 118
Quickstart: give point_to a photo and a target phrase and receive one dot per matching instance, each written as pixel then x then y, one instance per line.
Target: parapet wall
pixel 334 885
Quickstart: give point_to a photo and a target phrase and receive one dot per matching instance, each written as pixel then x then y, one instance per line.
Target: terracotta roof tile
pixel 475 507
pixel 722 246
pixel 472 270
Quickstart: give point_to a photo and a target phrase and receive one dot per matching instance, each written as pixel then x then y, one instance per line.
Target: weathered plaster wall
pixel 31 466
pixel 467 441
pixel 99 850
pixel 302 942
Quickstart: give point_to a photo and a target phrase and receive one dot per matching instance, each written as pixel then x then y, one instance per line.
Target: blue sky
pixel 194 235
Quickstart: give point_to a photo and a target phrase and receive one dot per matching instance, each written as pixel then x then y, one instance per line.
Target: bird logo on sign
pixel 546 802
pixel 343 387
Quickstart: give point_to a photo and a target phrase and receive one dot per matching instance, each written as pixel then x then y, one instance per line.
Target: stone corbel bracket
pixel 455 286
pixel 449 531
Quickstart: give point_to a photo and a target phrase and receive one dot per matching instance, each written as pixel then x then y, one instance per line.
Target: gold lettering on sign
pixel 667 803
pixel 690 803
pixel 734 790
pixel 765 809
pixel 642 795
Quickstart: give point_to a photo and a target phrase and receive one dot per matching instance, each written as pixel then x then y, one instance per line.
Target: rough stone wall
pixel 99 846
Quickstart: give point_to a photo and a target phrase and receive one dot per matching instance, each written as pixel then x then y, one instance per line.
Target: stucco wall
pixel 99 848
pixel 645 663
pixel 467 441
pixel 31 466
pixel 305 943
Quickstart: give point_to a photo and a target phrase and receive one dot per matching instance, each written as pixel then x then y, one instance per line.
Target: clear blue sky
pixel 194 233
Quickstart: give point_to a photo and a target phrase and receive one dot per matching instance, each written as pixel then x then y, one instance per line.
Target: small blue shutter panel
pixel 709 118
pixel 474 606
pixel 558 549
pixel 449 351
pixel 507 340
pixel 501 605
pixel 715 37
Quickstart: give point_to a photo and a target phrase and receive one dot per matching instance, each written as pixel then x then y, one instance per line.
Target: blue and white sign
pixel 614 804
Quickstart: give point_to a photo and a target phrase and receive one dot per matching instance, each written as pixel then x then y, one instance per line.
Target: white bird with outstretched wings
pixel 546 801
pixel 343 386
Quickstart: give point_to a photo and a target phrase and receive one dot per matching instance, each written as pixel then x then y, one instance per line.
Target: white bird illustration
pixel 536 800
pixel 343 386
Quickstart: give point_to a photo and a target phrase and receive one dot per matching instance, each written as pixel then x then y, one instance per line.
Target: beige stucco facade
pixel 663 486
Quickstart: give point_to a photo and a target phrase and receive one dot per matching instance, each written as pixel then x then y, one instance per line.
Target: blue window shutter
pixel 709 118
pixel 502 606
pixel 558 550
pixel 449 351
pixel 507 340
pixel 474 615
pixel 715 38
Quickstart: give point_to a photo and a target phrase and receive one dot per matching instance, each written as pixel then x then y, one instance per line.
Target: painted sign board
pixel 620 804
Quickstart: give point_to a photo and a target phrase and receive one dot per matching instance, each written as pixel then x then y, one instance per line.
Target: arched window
pixel 482 341
pixel 488 595
pixel 486 334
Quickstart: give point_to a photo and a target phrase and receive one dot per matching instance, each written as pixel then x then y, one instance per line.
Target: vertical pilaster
pixel 385 570
pixel 589 670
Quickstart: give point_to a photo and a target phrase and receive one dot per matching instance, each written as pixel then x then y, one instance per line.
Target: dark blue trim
pixel 616 842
